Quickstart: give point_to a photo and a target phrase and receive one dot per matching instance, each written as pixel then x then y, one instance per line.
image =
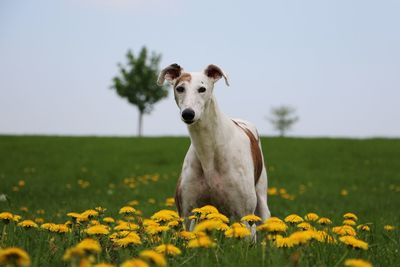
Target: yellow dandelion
pixel 349 222
pixel 28 224
pixel 389 227
pixel 353 242
pixel 273 226
pixel 127 210
pixel 363 227
pixel 207 226
pixel 98 230
pixel 148 222
pixel 201 242
pixel 186 235
pixel 103 264
pixel 250 218
pixel 272 191
pixel 165 216
pixel 168 249
pixel 72 253
pixel 89 245
pixel 350 216
pixel 174 224
pixel 153 256
pixel 311 217
pixel 283 242
pixel 134 263
pixel 304 226
pixel 39 220
pixel 108 220
pixel 293 218
pixel 324 221
pixel 344 230
pixel 14 256
pixel 323 237
pixel 133 203
pixel 301 237
pixel 170 202
pixel 217 216
pixel 87 215
pixel 6 217
pixel 154 230
pixel 131 239
pixel 126 226
pixel 100 209
pixel 357 263
pixel 205 210
pixel 237 230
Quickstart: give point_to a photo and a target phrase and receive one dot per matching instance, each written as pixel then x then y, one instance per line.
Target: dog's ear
pixel 215 73
pixel 170 73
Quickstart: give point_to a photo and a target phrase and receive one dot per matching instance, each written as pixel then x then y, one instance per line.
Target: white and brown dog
pixel 224 165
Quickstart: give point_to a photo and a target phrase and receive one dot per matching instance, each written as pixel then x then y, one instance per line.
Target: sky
pixel 336 62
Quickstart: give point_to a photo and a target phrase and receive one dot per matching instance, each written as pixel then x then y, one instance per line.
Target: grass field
pixel 45 178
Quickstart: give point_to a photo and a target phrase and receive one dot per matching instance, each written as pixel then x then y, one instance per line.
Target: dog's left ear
pixel 170 73
pixel 215 73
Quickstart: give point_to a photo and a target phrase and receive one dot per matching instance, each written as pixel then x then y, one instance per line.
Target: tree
pixel 137 82
pixel 283 118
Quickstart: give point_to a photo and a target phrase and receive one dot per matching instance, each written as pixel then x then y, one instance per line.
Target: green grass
pixel 315 171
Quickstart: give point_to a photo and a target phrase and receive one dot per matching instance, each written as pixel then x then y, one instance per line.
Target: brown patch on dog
pixel 214 72
pixel 185 77
pixel 255 153
pixel 178 196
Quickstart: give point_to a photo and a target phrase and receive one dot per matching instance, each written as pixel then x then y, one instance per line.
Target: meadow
pixel 45 178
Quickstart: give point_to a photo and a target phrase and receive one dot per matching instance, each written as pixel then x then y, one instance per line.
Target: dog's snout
pixel 188 114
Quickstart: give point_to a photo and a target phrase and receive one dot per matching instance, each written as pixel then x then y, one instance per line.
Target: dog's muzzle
pixel 188 115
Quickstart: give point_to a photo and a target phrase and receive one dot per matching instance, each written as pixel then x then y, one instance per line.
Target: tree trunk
pixel 140 129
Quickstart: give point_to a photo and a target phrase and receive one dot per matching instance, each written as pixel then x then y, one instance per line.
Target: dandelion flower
pixel 201 242
pixel 363 227
pixel 134 263
pixel 283 242
pixel 28 224
pixel 131 239
pixel 205 210
pixel 217 216
pixel 349 222
pixel 357 263
pixel 108 220
pixel 344 230
pixel 170 202
pixel 293 218
pixel 7 217
pixel 354 242
pixel 165 216
pixel 272 226
pixel 98 230
pixel 103 264
pixel 207 226
pixel 301 237
pixel 127 210
pixel 324 221
pixel 311 217
pixel 389 227
pixel 14 256
pixel 168 249
pixel 250 218
pixel 153 230
pixel 304 226
pixel 237 230
pixel 186 235
pixel 89 245
pixel 350 216
pixel 126 226
pixel 153 256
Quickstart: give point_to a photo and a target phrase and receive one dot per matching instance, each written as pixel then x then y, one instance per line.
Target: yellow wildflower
pixel 100 209
pixel 153 230
pixel 324 221
pixel 311 217
pixel 349 222
pixel 323 236
pixel 28 224
pixel 108 220
pixel 301 237
pixel 344 230
pixel 272 191
pixel 250 218
pixel 174 223
pixel 153 256
pixel 13 256
pixel 87 214
pixel 283 242
pixel 7 217
pixel 350 216
pixel 217 216
pixel 98 230
pixel 168 249
pixel 389 227
pixel 89 245
pixel 39 220
pixel 133 203
pixel 103 264
pixel 273 226
pixel 207 226
pixel 201 242
pixel 170 202
pixel 124 226
pixel 237 230
pixel 127 210
pixel 293 218
pixel 354 242
pixel 131 238
pixel 205 210
pixel 134 263
pixel 363 227
pixel 186 235
pixel 357 263
pixel 165 216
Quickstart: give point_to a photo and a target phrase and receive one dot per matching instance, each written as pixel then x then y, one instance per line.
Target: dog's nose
pixel 188 114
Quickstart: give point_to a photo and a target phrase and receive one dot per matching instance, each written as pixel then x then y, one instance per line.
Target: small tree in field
pixel 283 118
pixel 137 82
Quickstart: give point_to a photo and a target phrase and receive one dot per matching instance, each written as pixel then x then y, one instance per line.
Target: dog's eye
pixel 180 89
pixel 201 89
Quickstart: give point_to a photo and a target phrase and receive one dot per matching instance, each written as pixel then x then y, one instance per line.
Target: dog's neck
pixel 210 135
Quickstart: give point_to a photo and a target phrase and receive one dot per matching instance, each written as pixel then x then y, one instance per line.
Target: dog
pixel 224 165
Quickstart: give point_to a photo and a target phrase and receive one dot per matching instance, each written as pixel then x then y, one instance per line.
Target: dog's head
pixel 192 90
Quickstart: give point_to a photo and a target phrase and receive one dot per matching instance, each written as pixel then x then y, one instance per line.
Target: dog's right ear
pixel 170 73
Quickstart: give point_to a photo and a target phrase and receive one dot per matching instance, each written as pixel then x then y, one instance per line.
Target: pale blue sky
pixel 337 62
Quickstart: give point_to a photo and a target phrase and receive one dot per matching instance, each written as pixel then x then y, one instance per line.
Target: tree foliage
pixel 283 118
pixel 137 82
